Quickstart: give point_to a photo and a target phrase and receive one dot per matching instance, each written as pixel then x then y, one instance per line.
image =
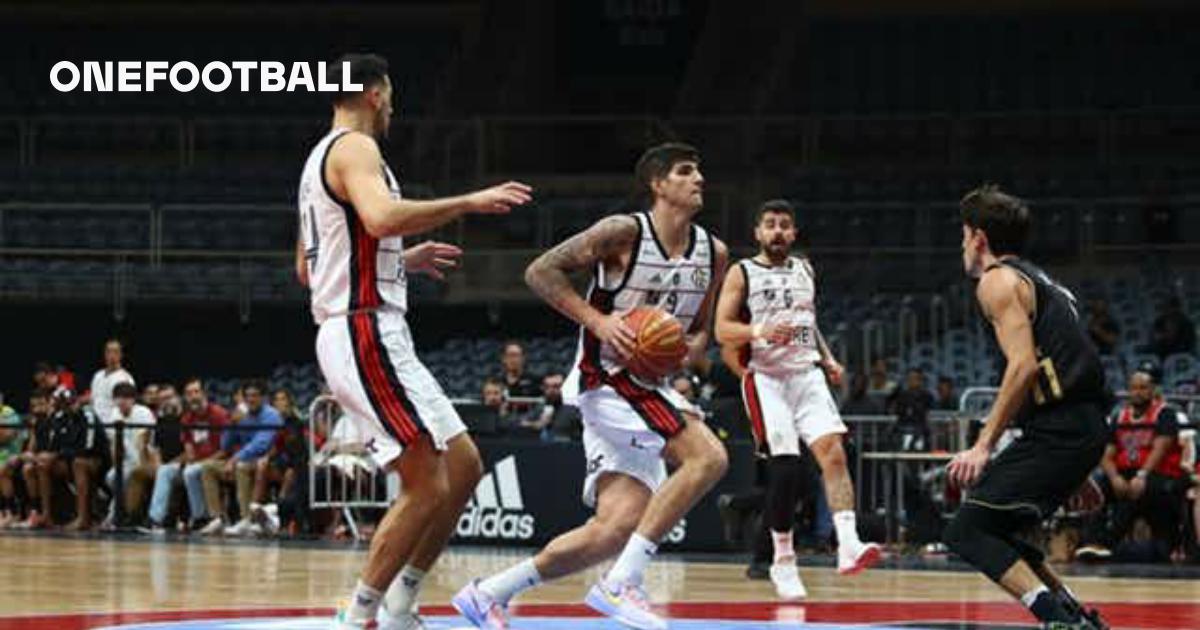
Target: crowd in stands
pixel 185 463
pixel 240 467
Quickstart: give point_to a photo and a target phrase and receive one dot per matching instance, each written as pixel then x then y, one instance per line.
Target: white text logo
pixel 497 510
pixel 185 76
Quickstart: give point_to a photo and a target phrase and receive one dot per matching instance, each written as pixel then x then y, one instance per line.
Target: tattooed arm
pixel 548 276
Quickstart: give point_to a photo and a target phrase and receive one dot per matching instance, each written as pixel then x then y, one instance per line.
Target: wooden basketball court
pixel 69 583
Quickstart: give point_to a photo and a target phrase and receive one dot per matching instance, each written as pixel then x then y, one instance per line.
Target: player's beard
pixel 777 252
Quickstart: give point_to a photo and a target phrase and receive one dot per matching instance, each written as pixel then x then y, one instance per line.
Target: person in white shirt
pixel 135 453
pixel 107 377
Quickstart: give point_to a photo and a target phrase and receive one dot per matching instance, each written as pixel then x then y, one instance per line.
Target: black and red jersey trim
pixel 660 415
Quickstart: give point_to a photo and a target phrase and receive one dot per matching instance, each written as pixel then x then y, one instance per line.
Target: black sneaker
pixel 1092 616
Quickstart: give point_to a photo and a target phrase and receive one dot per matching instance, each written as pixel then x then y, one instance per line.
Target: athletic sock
pixel 784 547
pixel 847 529
pixel 401 596
pixel 1029 598
pixel 510 582
pixel 364 603
pixel 633 561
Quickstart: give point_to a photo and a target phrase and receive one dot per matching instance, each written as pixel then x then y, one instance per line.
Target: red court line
pixel 1146 616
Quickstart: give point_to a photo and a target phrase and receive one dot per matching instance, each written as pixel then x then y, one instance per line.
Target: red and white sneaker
pixel 858 558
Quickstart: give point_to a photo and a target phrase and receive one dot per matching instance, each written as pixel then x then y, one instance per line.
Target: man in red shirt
pixel 1142 472
pixel 200 444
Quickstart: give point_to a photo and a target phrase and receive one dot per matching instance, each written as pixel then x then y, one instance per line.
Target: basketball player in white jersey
pixel 658 258
pixel 351 252
pixel 768 309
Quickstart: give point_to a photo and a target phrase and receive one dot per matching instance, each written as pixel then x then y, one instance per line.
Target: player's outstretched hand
pixel 500 199
pixel 965 468
pixel 613 330
pixel 431 257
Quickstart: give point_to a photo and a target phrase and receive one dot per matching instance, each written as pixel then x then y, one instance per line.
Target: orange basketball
pixel 660 342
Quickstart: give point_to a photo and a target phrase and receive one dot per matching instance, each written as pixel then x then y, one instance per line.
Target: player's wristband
pixel 756 332
pixel 1142 474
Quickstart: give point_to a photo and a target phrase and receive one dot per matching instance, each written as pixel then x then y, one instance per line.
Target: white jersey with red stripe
pixel 676 285
pixel 787 293
pixel 349 270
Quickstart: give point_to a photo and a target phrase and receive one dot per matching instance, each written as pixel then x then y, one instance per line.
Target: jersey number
pixel 313 246
pixel 1046 387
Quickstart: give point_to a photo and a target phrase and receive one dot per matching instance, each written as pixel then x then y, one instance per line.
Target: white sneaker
pixel 214 527
pixel 626 604
pixel 854 559
pixel 266 517
pixel 479 608
pixel 786 579
pixel 342 621
pixel 242 528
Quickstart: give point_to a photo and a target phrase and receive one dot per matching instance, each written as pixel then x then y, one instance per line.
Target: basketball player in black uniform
pixel 1053 390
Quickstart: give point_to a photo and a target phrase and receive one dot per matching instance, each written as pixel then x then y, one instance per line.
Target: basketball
pixel 660 342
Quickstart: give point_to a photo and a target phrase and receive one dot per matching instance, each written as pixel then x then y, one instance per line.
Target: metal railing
pixel 342 475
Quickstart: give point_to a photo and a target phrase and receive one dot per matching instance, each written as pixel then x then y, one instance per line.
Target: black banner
pixel 532 492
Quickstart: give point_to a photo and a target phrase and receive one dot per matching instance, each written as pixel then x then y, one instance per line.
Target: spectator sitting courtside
pixel 551 419
pixel 169 459
pixel 566 423
pixel 244 448
pixel 282 463
pixel 858 402
pixel 149 397
pixel 203 422
pixel 492 397
pixel 517 383
pixel 911 406
pixel 79 450
pixel 135 457
pixel 1142 475
pixel 880 385
pixel 25 467
pixel 12 443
